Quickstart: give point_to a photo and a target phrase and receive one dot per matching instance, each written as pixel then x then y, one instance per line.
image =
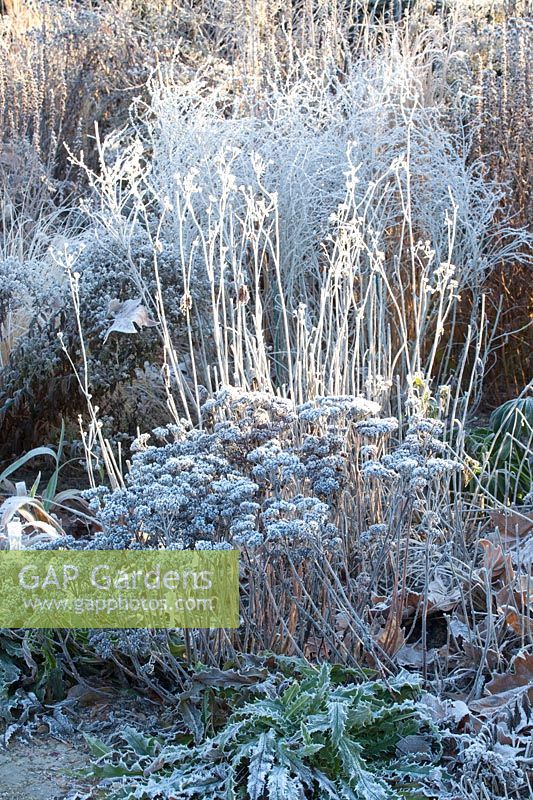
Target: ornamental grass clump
pixel 343 231
pixel 309 237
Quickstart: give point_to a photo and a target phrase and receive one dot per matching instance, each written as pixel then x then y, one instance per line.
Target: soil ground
pixel 42 769
pixel 45 767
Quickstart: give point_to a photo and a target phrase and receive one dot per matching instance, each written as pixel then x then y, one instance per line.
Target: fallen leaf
pixel 409 600
pixel 475 653
pixel 391 637
pixel 512 523
pixel 129 317
pixel 508 688
pixel 517 597
pixel 445 710
pixel 495 562
pixel 503 734
pixel 459 629
pixel 442 597
pixel 492 703
pixel 520 623
pixel 458 711
pixel 37 516
pixel 316 648
pixel 522 675
pixel 437 708
pixel 412 655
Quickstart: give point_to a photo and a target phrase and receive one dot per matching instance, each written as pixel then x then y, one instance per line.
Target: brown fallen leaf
pixel 508 688
pixel 83 694
pixel 522 675
pixel 520 623
pixel 512 523
pixel 344 628
pixel 518 594
pixel 492 703
pixel 475 653
pixel 391 637
pixel 495 562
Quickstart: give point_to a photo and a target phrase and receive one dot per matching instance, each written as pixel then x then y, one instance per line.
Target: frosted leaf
pixel 129 317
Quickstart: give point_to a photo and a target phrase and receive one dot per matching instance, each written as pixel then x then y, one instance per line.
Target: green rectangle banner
pixel 119 589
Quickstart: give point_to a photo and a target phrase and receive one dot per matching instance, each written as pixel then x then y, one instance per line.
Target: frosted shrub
pixel 124 371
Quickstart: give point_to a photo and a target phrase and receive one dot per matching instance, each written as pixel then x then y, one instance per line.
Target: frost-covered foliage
pixel 314 734
pixel 319 235
pixel 37 383
pixel 262 471
pixel 302 143
pixel 303 205
pixel 491 764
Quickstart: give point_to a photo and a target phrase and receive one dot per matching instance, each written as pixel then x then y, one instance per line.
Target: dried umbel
pixel 344 231
pixel 331 238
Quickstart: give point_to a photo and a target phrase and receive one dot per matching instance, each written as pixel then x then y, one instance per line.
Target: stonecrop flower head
pixel 259 473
